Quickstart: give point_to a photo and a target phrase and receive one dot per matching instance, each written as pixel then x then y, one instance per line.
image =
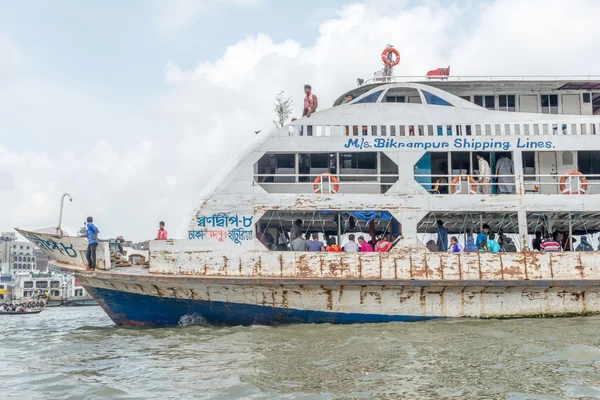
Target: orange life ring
pixel 384 54
pixel 453 188
pixel 567 190
pixel 332 178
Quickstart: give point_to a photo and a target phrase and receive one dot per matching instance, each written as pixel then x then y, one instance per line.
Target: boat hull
pixel 157 301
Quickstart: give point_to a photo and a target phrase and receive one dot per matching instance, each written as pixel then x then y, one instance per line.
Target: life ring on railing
pixel 567 176
pixel 332 178
pixel 384 54
pixel 453 185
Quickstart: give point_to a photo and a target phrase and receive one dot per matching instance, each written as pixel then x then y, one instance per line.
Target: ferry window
pixel 485 101
pixel 371 98
pixel 395 99
pixel 528 165
pixel 358 163
pixel 467 98
pixel 549 103
pixel 439 165
pixel 273 164
pixel 54 284
pixel 460 162
pixel 388 167
pixel 588 163
pixel 587 98
pixel 506 102
pixel 28 284
pixel 313 164
pixel 435 100
pixel 41 284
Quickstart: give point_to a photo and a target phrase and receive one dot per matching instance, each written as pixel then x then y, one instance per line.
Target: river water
pixel 77 353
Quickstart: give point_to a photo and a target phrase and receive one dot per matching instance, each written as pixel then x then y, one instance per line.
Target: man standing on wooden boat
pixel 92 236
pixel 485 176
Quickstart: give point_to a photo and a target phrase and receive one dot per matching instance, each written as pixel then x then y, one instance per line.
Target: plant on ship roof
pixel 283 109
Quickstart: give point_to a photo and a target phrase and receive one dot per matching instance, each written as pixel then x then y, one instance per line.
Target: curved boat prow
pixel 66 249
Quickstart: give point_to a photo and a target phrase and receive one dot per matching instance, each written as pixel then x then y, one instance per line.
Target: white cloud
pixel 175 15
pixel 133 167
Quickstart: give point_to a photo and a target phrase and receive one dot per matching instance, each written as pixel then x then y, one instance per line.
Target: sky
pixel 132 106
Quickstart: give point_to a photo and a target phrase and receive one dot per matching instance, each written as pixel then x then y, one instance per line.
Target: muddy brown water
pixel 77 353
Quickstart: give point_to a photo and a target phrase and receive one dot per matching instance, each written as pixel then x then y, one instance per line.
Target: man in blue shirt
pixel 92 236
pixel 482 237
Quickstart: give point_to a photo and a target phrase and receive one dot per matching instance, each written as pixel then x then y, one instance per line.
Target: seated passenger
pixel 351 246
pixel 431 246
pixel 266 238
pixel 298 244
pixel 365 247
pixel 536 243
pixel 509 245
pixel 550 245
pixel 470 246
pixel 454 246
pixel 493 245
pixel 383 244
pixel 483 247
pixel 584 245
pixel 332 246
pixel 315 244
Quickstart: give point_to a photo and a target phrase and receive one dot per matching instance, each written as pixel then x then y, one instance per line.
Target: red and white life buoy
pixel 385 59
pixel 570 190
pixel 454 185
pixel 324 177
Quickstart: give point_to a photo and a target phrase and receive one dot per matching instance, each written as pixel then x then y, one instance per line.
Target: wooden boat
pixel 21 313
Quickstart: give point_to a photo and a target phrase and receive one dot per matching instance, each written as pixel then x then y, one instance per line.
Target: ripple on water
pixel 77 353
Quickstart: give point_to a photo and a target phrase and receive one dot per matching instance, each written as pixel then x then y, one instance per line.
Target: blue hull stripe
pixel 136 309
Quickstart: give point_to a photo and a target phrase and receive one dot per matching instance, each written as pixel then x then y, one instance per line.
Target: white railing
pixel 584 126
pixel 413 78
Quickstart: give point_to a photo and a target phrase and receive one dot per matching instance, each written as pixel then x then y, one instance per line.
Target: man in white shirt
pixel 485 176
pixel 351 246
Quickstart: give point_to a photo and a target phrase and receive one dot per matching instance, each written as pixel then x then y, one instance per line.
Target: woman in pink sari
pixel 365 247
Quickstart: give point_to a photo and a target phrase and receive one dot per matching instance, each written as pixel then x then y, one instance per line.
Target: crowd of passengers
pixel 488 242
pixel 21 306
pixel 296 240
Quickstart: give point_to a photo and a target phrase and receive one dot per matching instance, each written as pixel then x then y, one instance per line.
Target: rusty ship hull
pixel 296 287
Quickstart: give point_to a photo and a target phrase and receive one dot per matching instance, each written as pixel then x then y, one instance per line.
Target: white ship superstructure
pixel 392 161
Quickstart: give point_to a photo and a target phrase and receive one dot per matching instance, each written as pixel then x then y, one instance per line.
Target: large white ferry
pixel 393 160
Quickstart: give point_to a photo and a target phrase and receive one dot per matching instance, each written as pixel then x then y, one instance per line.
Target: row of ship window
pixel 506 102
pixel 41 284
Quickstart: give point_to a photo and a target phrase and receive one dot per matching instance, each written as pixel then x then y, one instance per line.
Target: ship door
pixel 552 165
pixel 571 104
pixel 528 103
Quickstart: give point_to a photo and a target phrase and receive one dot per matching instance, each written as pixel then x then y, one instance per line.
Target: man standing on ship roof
pixel 485 176
pixel 310 106
pixel 92 236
